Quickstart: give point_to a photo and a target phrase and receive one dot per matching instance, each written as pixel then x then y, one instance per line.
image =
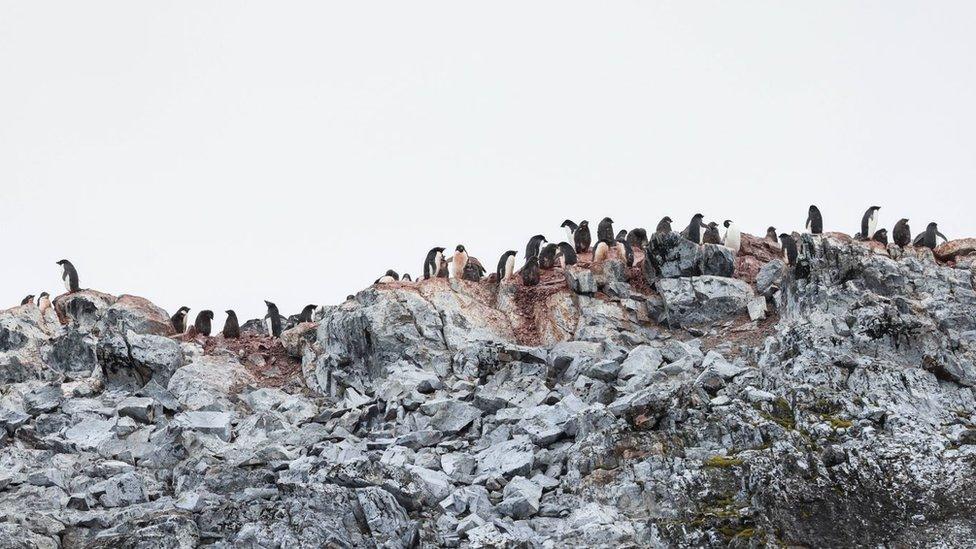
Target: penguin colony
pixel 540 255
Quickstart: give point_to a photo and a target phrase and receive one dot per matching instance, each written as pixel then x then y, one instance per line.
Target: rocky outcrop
pixel 829 404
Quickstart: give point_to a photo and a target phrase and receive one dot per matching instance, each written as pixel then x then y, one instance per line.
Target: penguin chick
pixel 29 300
pixel 711 235
pixel 881 235
pixel 621 235
pixel 582 237
pixel 693 231
pixel 530 271
pixel 902 233
pixel 771 236
pixel 625 251
pixel 601 251
pixel 789 248
pixel 202 323
pixel 460 261
pixel 664 226
pixel 814 224
pixel 473 270
pixel 547 256
pixel 637 238
pixel 604 231
pixel 390 276
pixel 232 329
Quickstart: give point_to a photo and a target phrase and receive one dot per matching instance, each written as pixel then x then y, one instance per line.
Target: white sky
pixel 218 154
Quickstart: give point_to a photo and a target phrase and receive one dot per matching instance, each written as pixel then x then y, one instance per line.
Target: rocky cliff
pixel 826 404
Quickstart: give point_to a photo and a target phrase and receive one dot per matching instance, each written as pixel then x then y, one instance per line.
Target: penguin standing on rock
pixel 711 235
pixel 47 312
pixel 733 239
pixel 69 275
pixel 460 261
pixel 273 320
pixel 693 231
pixel 881 235
pixel 582 237
pixel 902 233
pixel 530 271
pixel 621 235
pixel 406 277
pixel 202 323
pixel 771 236
pixel 869 222
pixel 547 256
pixel 664 226
pixel 566 255
pixel 179 319
pixel 570 227
pixel 532 248
pixel 506 266
pixel 637 238
pixel 604 230
pixel 473 270
pixel 232 330
pixel 432 263
pixel 390 276
pixel 625 251
pixel 601 251
pixel 29 300
pixel 307 312
pixel 789 248
pixel 929 238
pixel 814 220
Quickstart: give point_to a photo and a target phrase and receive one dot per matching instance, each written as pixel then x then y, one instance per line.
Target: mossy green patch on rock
pixel 723 461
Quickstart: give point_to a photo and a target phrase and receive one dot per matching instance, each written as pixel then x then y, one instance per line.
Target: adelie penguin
pixel 532 248
pixel 771 236
pixel 693 231
pixel 506 266
pixel 789 248
pixel 433 262
pixel 29 300
pixel 406 277
pixel 929 238
pixel 306 314
pixel 881 235
pixel 869 222
pixel 530 271
pixel 664 225
pixel 621 235
pixel 604 230
pixel 459 261
pixel 232 330
pixel 69 275
pixel 637 238
pixel 902 233
pixel 202 325
pixel 272 320
pixel 179 320
pixel 390 276
pixel 711 235
pixel 733 239
pixel 570 227
pixel 47 311
pixel 582 237
pixel 547 256
pixel 814 223
pixel 602 250
pixel 566 255
pixel 625 251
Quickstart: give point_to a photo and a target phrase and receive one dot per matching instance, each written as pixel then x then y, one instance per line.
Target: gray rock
pixel 716 260
pixel 41 399
pixel 770 276
pixel 704 299
pixel 140 409
pixel 208 423
pixel 509 458
pixel 522 497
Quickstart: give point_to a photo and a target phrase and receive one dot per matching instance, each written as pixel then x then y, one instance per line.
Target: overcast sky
pixel 218 154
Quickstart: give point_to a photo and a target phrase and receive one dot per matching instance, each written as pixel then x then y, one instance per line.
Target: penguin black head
pixel 881 232
pixel 64 262
pixel 606 220
pixel 271 306
pixel 183 310
pixel 569 223
pixel 771 230
pixel 713 225
pixel 230 312
pixel 784 237
pixel 903 220
pixel 727 223
pixel 668 219
pixel 391 272
pixel 933 226
pixel 206 314
pixel 43 295
pixel 460 249
pixel 584 223
pixel 873 208
pixel 814 208
pixel 406 277
pixel 28 299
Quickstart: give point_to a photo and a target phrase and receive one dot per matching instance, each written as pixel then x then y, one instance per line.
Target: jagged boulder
pixel 703 299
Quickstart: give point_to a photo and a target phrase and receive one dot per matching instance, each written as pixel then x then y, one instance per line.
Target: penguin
pixel 442 269
pixel 664 226
pixel 789 248
pixel 621 235
pixel 711 236
pixel 693 231
pixel 473 270
pixel 881 235
pixel 547 256
pixel 771 236
pixel 582 237
pixel 69 275
pixel 232 329
pixel 306 314
pixel 625 251
pixel 567 254
pixel 390 276
pixel 733 239
pixel 406 277
pixel 47 312
pixel 604 231
pixel 460 261
pixel 637 238
pixel 902 233
pixel 570 227
pixel 869 221
pixel 202 323
pixel 530 271
pixel 532 248
pixel 506 266
pixel 814 221
pixel 29 300
pixel 432 263
pixel 600 251
pixel 273 319
pixel 929 237
pixel 179 320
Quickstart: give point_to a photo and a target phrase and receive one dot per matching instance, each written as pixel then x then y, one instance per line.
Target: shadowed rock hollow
pixel 830 404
